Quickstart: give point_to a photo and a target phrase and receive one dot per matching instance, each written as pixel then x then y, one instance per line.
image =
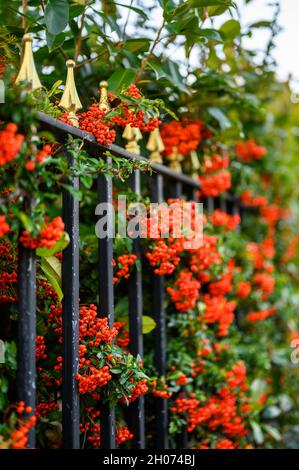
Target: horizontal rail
pixel 61 130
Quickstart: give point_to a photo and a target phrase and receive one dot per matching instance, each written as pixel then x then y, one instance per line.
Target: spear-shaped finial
pixel 132 136
pixel 104 102
pixel 28 71
pixel 156 146
pixel 70 101
pixel 175 159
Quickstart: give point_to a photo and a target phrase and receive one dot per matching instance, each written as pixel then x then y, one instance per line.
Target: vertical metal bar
pixel 158 313
pixel 136 410
pixel 70 320
pixel 210 204
pixel 106 296
pixel 26 372
pixel 182 438
pixel 222 204
pixel 177 189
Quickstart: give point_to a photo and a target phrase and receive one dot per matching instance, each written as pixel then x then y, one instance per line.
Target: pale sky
pixel 287 42
pixel 286 52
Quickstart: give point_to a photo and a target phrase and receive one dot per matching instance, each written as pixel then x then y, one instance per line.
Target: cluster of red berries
pixel 123 434
pixel 137 119
pixel 40 157
pixel 47 237
pixel 222 219
pixel 219 309
pixel 44 408
pixel 4 227
pixel 236 377
pixel 159 388
pixel 10 143
pixel 219 413
pixel 243 289
pixel 214 185
pixel 224 285
pixel 94 122
pixel 19 437
pixel 8 273
pixel 265 283
pixel 185 291
pixel 40 349
pixel 215 178
pixel 271 214
pixel 164 256
pixel 133 92
pixel 173 229
pixel 125 263
pixel 261 314
pixel 181 137
pixel 249 199
pixel 206 256
pixel 93 379
pixel 138 390
pixel 123 337
pixel 182 380
pixel 93 329
pixel 215 163
pixel 249 151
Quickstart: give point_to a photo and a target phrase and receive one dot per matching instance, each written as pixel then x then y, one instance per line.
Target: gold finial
pixel 195 165
pixel 28 71
pixel 175 159
pixel 156 146
pixel 70 101
pixel 132 135
pixel 104 102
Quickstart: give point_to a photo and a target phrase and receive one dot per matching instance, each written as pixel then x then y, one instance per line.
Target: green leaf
pixel 137 45
pixel 211 33
pixel 148 324
pixel 230 29
pixel 257 432
pixel 26 221
pixel 217 114
pixel 53 41
pixel 56 16
pixel 51 267
pixel 273 432
pixel 59 246
pixel 121 79
pixel 157 68
pixel 261 24
pixel 208 3
pixel 139 11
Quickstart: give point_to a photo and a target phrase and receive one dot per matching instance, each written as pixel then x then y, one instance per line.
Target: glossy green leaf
pixel 231 29
pixel 120 79
pixel 148 324
pixel 51 267
pixel 56 15
pixel 217 114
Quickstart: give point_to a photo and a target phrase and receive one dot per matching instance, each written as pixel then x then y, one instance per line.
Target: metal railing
pixel 177 185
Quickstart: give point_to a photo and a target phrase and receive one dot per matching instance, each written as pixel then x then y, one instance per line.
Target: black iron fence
pixel 163 177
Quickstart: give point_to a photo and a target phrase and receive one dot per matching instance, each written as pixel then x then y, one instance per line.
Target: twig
pixel 24 9
pixel 147 58
pixel 79 41
pixel 127 20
